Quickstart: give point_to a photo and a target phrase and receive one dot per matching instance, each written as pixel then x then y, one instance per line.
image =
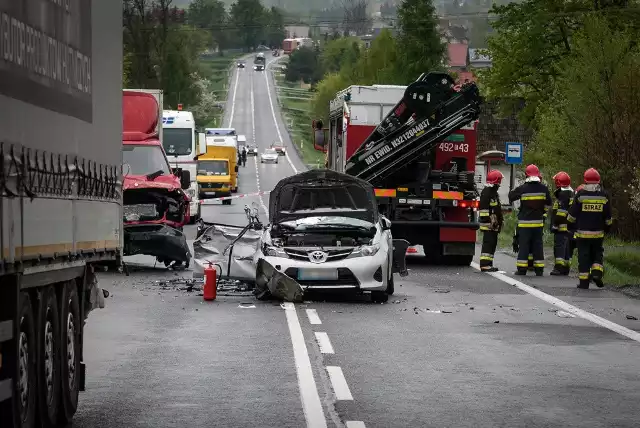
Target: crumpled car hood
pixel 322 192
pixel 167 182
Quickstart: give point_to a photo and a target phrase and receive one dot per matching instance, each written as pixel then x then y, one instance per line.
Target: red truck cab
pixel 155 205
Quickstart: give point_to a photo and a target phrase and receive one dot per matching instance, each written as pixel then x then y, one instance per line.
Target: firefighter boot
pixel 584 284
pixel 596 274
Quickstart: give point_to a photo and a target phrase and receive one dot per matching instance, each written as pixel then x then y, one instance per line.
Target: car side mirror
pixel 185 179
pixel 202 144
pixel 319 136
pixel 386 223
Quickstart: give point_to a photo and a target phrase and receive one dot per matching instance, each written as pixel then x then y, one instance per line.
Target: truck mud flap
pixel 158 240
pixel 270 283
pixel 400 256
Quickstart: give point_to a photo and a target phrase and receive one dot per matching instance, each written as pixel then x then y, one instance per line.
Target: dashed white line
pixel 311 404
pixel 355 424
pixel 253 127
pixel 312 314
pixel 275 120
pixel 339 383
pixel 324 343
pixel 634 335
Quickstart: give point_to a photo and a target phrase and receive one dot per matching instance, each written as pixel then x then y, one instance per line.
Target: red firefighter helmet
pixel 562 179
pixel 532 171
pixel 494 177
pixel 591 176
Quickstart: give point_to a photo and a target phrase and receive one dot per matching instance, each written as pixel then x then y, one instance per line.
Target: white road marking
pixel 355 424
pixel 275 120
pixel 312 314
pixel 253 127
pixel 339 383
pixel 324 343
pixel 602 322
pixel 311 404
pixel 233 99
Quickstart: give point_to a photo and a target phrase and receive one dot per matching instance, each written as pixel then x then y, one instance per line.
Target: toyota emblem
pixel 318 257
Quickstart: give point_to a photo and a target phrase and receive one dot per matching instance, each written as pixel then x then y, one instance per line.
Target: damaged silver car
pixel 325 233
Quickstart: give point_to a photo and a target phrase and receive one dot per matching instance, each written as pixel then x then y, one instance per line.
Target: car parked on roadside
pixel 325 232
pixel 269 156
pixel 252 151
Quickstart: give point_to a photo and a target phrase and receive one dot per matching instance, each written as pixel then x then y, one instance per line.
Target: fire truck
pixel 420 155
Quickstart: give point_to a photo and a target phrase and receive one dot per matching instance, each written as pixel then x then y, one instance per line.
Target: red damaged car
pixel 155 205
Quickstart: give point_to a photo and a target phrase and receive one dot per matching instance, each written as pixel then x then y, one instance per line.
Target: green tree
pixel 211 15
pixel 339 53
pixel 326 91
pixel 529 40
pixel 304 64
pixel 592 118
pixel 275 32
pixel 379 63
pixel 422 50
pixel 248 18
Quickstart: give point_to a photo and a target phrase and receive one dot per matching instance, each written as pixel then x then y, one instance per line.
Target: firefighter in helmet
pixel 590 218
pixel 490 219
pixel 561 237
pixel 535 201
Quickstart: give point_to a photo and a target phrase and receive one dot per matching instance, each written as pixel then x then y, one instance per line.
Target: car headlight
pixel 272 251
pixel 366 251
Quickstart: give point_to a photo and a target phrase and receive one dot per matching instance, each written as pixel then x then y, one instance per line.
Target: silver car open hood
pixel 322 192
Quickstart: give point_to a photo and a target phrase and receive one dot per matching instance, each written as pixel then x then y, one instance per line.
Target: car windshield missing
pixel 321 222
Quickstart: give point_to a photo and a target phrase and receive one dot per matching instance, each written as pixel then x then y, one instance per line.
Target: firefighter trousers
pixel 489 244
pixel 562 252
pixel 590 261
pixel 530 243
pixel 516 248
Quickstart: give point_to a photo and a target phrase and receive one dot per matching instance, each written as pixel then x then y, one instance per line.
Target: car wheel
pixel 379 296
pixel 391 287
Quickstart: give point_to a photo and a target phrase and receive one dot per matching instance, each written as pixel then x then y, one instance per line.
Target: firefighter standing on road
pixel 561 236
pixel 590 217
pixel 535 201
pixel 244 156
pixel 490 220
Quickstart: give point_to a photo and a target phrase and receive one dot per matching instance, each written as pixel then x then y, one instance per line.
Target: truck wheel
pixel 25 393
pixel 70 327
pixel 48 358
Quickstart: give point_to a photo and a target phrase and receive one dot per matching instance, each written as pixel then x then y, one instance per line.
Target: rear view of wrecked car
pixel 156 207
pixel 325 233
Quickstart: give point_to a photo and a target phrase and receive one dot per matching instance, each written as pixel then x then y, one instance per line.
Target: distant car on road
pixel 241 64
pixel 252 151
pixel 279 148
pixel 269 156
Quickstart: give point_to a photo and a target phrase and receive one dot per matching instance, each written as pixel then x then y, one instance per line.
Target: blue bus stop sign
pixel 513 153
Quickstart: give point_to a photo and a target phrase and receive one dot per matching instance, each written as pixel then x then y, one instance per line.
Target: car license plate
pixel 318 274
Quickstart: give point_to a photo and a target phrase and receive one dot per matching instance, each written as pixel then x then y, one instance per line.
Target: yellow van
pixel 214 179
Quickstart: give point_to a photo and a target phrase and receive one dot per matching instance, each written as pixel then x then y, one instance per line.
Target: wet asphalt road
pixel 452 348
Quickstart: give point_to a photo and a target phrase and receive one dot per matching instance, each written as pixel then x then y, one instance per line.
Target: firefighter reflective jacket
pixel 535 201
pixel 590 213
pixel 490 206
pixel 564 199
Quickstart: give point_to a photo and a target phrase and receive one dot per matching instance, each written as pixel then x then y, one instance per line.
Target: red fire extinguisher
pixel 210 282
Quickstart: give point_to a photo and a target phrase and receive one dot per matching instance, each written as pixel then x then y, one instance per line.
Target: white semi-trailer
pixel 61 195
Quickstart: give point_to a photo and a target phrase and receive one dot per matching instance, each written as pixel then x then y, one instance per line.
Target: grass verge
pixel 295 104
pixel 218 70
pixel 622 259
